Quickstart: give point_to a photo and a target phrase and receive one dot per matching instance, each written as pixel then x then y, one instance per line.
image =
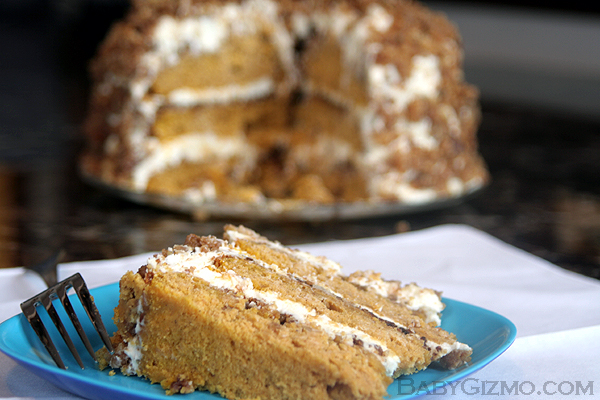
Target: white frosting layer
pixel 394 184
pixel 419 133
pixel 448 348
pixel 330 151
pixel 413 296
pixel 203 34
pixel 206 192
pixel 321 262
pixel 207 34
pixel 133 349
pixel 192 147
pixel 187 97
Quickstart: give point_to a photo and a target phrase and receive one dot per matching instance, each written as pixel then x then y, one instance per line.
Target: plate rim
pixel 41 368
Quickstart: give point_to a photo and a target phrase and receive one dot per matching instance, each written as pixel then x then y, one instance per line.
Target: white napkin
pixel 16 286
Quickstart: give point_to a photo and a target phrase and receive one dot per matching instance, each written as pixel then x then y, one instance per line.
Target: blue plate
pixel 488 333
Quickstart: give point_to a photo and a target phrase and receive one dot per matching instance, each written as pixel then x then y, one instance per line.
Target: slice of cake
pixel 246 317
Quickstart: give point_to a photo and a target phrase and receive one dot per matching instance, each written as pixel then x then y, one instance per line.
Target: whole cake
pixel 286 100
pixel 249 318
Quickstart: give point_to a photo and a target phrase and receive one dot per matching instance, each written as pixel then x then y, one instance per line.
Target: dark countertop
pixel 544 196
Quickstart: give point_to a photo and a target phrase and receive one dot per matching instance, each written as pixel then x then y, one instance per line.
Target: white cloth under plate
pixel 557 313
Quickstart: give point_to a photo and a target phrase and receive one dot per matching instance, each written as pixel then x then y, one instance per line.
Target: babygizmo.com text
pixel 473 386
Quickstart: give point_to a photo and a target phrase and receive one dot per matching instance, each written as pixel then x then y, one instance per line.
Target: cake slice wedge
pixel 248 318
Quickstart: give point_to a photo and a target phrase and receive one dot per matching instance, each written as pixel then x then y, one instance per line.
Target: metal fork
pixel 59 291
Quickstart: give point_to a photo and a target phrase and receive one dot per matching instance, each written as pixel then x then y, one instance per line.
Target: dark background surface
pixel 544 196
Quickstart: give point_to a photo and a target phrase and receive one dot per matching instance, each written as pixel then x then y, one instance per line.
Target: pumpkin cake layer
pixel 246 317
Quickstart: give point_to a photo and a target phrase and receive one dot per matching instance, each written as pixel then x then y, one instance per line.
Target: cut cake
pixel 284 100
pixel 248 318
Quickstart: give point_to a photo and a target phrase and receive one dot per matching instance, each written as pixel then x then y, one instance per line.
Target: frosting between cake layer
pixel 191 147
pixel 413 296
pixel 322 262
pixel 204 193
pixel 188 97
pixel 395 184
pixel 330 150
pixel 133 349
pixel 207 33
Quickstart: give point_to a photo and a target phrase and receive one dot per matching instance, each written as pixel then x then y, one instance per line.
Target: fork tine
pixel 38 326
pixel 47 303
pixel 59 291
pixel 90 307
